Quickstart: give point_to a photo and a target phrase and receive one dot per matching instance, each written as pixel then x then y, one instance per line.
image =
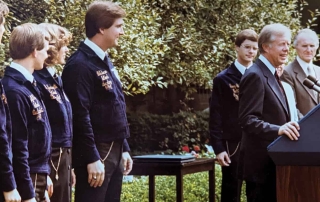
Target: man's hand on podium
pixel 290 129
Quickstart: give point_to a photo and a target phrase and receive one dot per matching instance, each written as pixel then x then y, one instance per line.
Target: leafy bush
pixel 201 33
pixel 141 48
pixel 181 43
pixel 151 132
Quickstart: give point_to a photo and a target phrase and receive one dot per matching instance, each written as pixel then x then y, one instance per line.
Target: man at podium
pixel 264 114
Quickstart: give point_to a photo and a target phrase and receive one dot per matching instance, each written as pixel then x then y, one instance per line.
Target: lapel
pixel 112 70
pixel 107 64
pixel 18 76
pixel 273 84
pixel 300 76
pixel 44 73
pixel 234 71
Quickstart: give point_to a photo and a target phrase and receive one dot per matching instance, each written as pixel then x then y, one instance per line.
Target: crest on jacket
pixel 235 90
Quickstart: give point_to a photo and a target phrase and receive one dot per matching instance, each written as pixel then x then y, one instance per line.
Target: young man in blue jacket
pixel 31 132
pixel 7 182
pixel 59 112
pixel 100 149
pixel 225 131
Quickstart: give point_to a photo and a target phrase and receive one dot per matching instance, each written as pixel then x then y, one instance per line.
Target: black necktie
pixel 113 71
pixel 280 84
pixel 34 84
pixel 111 68
pixel 107 61
pixel 57 79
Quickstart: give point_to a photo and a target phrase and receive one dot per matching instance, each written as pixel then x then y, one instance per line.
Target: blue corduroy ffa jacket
pixel 7 181
pixel 31 132
pixel 98 105
pixel 58 108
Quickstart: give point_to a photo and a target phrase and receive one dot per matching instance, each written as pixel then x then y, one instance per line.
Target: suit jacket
pixel 294 75
pixel 224 106
pixel 262 110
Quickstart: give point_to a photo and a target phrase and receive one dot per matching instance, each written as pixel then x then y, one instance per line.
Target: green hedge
pixel 166 42
pixel 153 133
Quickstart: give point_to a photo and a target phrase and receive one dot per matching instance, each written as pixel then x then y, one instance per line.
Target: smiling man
pixel 264 114
pixel 225 131
pixel 100 149
pixel 306 44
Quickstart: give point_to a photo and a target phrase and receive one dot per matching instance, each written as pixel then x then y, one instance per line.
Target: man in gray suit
pixel 306 43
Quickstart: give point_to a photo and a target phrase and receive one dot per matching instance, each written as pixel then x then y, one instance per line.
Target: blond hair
pixel 24 39
pixel 4 10
pixel 58 38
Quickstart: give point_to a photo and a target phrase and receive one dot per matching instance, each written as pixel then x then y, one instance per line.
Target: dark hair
pixel 101 14
pixel 246 34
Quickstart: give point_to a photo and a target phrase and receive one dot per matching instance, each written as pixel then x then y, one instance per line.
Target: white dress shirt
pixel 23 71
pixel 268 64
pixel 100 53
pixel 291 101
pixel 304 65
pixel 241 67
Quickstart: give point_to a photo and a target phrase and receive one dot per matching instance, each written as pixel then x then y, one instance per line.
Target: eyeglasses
pixel 247 47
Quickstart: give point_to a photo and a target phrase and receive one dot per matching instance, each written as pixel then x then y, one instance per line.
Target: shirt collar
pixel 268 64
pixel 22 70
pixel 100 53
pixel 51 70
pixel 304 65
pixel 241 67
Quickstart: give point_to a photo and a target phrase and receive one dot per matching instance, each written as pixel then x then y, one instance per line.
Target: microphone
pixel 311 85
pixel 313 79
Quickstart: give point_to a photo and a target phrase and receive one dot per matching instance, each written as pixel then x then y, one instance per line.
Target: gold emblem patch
pixel 37 111
pixel 106 83
pixel 235 90
pixel 53 92
pixel 4 98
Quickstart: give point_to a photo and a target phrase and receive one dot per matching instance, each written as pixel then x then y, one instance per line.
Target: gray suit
pixel 294 75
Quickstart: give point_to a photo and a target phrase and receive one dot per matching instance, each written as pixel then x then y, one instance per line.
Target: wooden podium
pixel 298 162
pixel 298 183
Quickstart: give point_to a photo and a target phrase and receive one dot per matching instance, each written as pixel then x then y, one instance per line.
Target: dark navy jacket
pixel 31 132
pixel 224 107
pixel 58 108
pixel 7 181
pixel 98 104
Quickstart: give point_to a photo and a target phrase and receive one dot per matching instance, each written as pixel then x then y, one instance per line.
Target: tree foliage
pixel 176 42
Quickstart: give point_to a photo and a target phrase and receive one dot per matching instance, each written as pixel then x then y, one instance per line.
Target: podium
pixel 298 162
